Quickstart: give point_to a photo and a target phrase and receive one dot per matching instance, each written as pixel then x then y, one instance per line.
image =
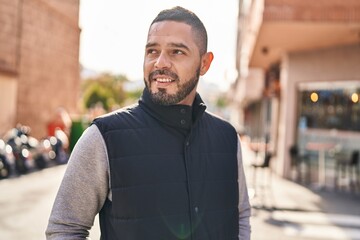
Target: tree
pixel 105 89
pixel 221 102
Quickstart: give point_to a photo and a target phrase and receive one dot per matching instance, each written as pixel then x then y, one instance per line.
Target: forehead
pixel 171 31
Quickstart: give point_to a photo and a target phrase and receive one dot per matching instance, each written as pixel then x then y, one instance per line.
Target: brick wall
pixel 46 48
pixel 9 35
pixel 69 8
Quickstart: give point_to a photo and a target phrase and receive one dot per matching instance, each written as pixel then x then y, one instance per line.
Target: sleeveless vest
pixel 166 186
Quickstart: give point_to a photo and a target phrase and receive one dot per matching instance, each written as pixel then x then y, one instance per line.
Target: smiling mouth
pixel 164 80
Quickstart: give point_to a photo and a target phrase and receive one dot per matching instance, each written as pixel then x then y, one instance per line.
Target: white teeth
pixel 164 80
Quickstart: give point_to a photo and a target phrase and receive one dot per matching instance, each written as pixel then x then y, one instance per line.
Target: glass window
pixel 330 106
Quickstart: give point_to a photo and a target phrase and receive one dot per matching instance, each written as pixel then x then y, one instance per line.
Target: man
pixel 163 168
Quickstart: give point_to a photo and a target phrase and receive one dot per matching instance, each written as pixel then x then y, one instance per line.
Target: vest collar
pixel 179 116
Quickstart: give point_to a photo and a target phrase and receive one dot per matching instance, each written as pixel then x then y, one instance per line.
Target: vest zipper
pixel 188 184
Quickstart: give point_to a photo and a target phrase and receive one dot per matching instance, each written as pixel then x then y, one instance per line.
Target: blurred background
pixel 286 74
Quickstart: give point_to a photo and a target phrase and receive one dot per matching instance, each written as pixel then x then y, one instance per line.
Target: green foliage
pixel 105 89
pixel 133 95
pixel 221 102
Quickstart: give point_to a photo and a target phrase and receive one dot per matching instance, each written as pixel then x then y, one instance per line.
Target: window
pixel 330 106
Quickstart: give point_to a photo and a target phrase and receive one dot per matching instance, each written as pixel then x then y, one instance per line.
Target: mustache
pixel 163 72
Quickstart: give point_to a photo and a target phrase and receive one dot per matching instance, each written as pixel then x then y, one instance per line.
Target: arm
pixel 244 204
pixel 83 190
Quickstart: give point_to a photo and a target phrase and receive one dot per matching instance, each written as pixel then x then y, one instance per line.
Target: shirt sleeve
pixel 83 190
pixel 244 204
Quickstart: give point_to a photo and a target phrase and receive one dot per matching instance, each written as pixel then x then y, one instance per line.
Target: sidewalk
pixel 283 209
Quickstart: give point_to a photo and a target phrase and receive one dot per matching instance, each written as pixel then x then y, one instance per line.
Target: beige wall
pixel 326 65
pixel 319 10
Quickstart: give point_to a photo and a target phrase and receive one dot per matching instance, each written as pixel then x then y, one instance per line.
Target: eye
pixel 178 52
pixel 151 51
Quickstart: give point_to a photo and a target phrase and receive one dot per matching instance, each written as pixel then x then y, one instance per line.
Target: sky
pixel 113 35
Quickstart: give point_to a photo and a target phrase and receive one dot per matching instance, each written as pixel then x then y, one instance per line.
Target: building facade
pixel 39 61
pixel 299 75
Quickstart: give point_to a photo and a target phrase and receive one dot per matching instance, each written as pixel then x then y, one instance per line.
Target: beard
pixel 162 97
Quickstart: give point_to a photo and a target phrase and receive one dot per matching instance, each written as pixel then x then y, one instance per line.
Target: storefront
pixel 328 127
pixel 334 105
pixel 317 55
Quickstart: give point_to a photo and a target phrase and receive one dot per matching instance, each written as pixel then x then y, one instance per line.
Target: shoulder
pixel 128 110
pixel 219 126
pixel 218 121
pixel 117 119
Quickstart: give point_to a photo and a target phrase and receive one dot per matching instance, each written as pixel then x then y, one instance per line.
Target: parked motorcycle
pixel 51 151
pixel 23 146
pixel 6 160
pixel 30 154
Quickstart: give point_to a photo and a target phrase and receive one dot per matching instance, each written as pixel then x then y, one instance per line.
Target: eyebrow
pixel 176 45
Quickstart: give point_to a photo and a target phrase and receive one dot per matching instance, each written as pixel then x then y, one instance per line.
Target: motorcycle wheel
pixel 4 168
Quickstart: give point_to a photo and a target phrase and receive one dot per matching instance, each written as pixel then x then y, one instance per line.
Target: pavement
pixel 281 209
pixel 284 209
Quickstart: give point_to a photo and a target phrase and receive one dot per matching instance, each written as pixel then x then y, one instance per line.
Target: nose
pixel 162 61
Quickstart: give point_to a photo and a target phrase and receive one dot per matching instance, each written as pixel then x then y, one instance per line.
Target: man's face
pixel 172 63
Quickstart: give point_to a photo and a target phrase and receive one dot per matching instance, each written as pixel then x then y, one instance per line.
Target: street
pixel 26 203
pixel 286 211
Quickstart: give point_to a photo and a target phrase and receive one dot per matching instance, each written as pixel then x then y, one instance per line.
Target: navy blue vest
pixel 166 185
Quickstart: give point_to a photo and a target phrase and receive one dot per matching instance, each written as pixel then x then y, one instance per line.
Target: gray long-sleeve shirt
pixel 86 185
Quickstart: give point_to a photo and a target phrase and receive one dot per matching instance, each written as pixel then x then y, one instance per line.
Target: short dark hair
pixel 180 14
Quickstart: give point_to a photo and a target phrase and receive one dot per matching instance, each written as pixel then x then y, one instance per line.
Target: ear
pixel 206 60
